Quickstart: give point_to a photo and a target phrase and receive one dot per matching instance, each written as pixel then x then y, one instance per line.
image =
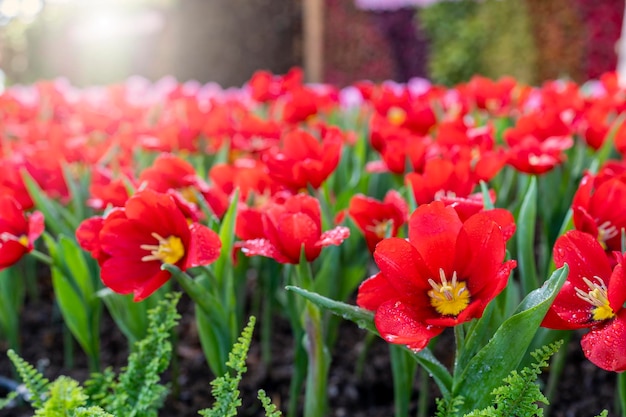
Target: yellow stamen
pixel 380 228
pixel 189 194
pixel 22 240
pixel 448 298
pixel 606 231
pixel 168 251
pixel 597 297
pixel 396 116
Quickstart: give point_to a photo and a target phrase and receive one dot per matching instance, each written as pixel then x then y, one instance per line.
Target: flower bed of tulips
pixel 465 226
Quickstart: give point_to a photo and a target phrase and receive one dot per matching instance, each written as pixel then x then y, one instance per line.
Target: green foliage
pixel 448 408
pixel 463 42
pixel 520 394
pixel 34 381
pixel 137 392
pixel 270 409
pixel 90 412
pixel 225 388
pixel 8 400
pixel 65 395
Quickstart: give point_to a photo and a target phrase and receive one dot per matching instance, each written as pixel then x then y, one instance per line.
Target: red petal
pixel 125 276
pixel 204 246
pixel 605 345
pixel 35 225
pixel 403 266
pixel 374 291
pixel 399 323
pixel 480 251
pixel 617 286
pixel 505 220
pixel 11 252
pixel 333 236
pixel 263 247
pixel 433 231
pixel 584 256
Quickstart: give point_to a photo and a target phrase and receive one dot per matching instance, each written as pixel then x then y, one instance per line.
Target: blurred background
pixel 225 41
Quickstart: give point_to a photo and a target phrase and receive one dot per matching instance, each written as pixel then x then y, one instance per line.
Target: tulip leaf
pixel 75 293
pixel 56 221
pixel 525 238
pixel 365 320
pixel 503 353
pixel 223 265
pixel 130 317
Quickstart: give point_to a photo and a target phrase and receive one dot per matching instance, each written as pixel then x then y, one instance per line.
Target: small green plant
pixel 136 392
pixel 519 395
pixel 225 388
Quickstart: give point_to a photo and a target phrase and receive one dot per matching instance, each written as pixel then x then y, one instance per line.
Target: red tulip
pixel 18 231
pixel 592 297
pixel 133 242
pixel 373 217
pixel 444 274
pixel 290 226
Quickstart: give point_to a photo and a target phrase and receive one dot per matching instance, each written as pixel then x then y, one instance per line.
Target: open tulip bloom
pixel 445 274
pixel 592 297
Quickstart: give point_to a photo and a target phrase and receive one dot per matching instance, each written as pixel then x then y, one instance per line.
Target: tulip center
pixel 396 116
pixel 598 298
pixel 169 250
pixel 22 240
pixel 189 194
pixel 379 228
pixel 606 231
pixel 449 297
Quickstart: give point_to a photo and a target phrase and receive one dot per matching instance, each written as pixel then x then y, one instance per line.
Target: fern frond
pixel 65 395
pixel 604 413
pixel 34 381
pixel 99 388
pixel 270 409
pixel 90 412
pixel 448 408
pixel 4 402
pixel 138 392
pixel 226 388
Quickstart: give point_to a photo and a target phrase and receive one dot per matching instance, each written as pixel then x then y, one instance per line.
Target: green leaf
pixel 525 238
pixel 365 320
pixel 506 349
pixel 223 266
pixel 51 210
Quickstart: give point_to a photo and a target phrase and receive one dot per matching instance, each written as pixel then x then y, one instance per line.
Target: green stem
pixel 403 371
pixel 621 392
pixel 41 257
pixel 315 396
pixel 424 385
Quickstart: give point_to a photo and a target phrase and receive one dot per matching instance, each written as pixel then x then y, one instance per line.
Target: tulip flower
pixel 592 297
pixel 445 274
pixel 132 243
pixel 18 231
pixel 290 226
pixel 304 160
pixel 373 217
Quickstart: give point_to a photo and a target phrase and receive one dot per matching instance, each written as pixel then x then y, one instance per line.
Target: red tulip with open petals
pixel 374 217
pixel 592 297
pixel 133 242
pixel 444 274
pixel 290 226
pixel 18 231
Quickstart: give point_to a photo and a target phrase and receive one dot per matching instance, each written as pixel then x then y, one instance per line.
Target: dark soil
pixel 584 390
